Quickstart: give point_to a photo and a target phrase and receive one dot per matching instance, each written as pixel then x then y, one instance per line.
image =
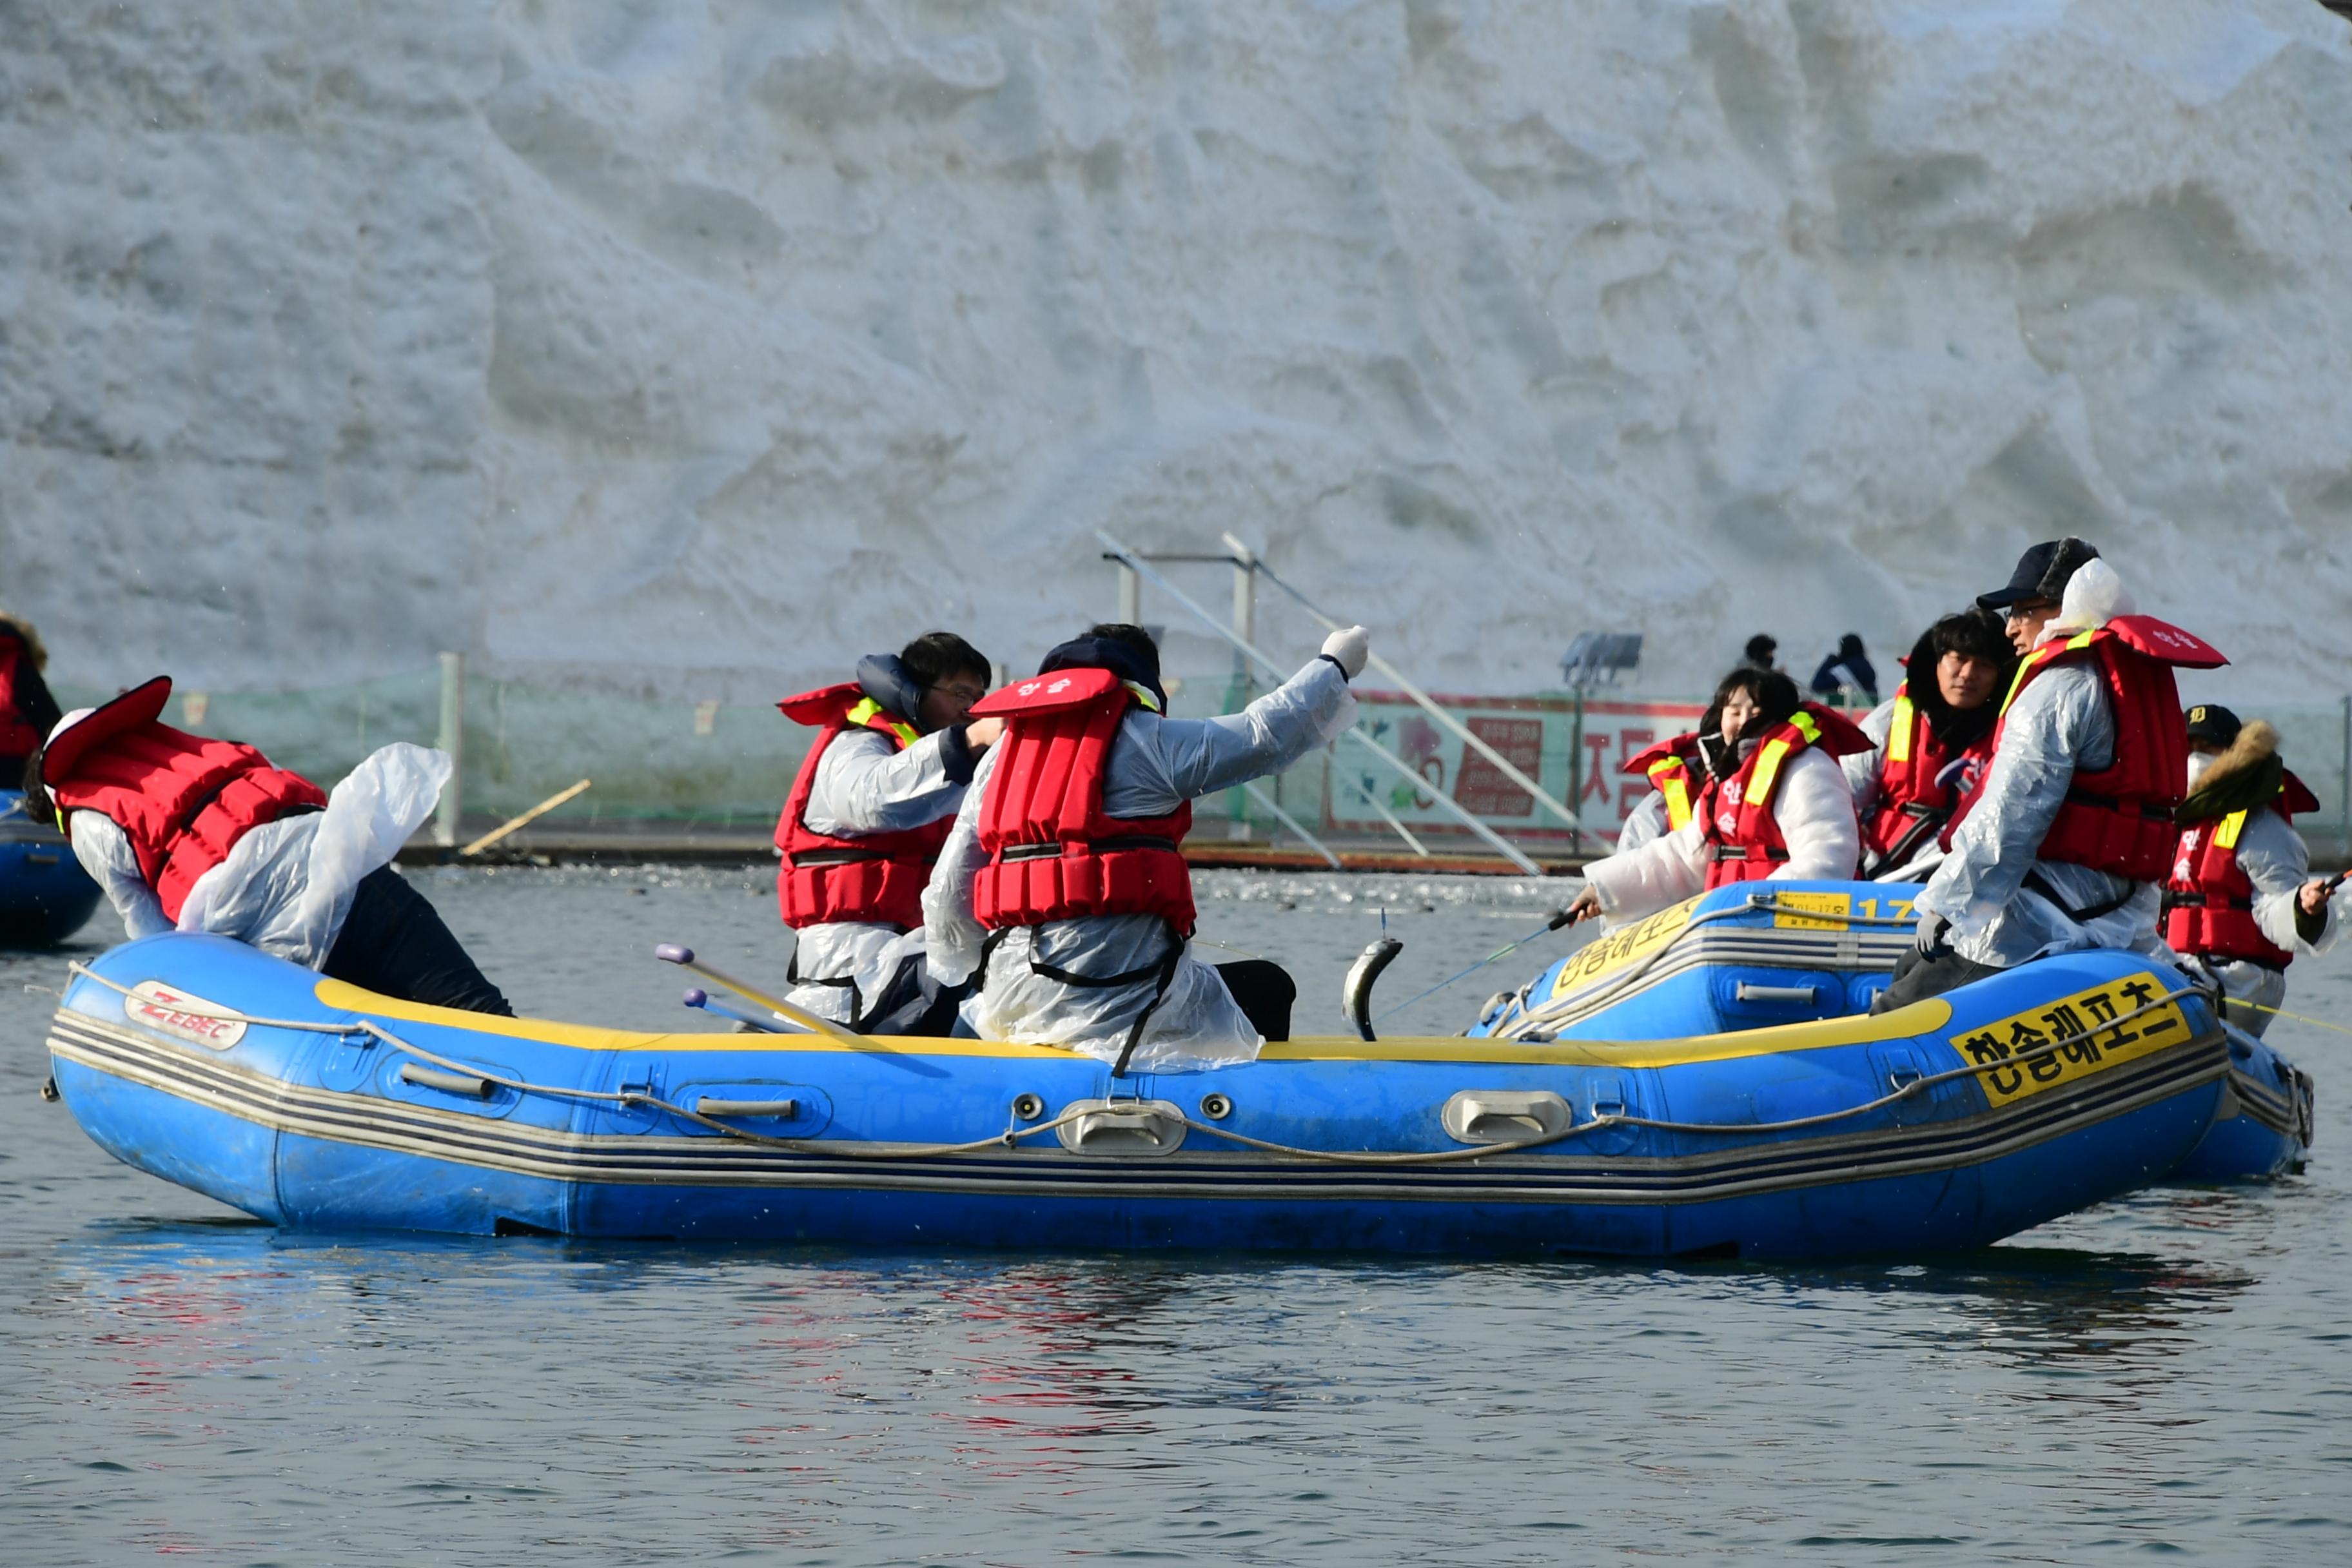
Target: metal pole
pixel 2345 835
pixel 1428 704
pixel 1240 688
pixel 451 740
pixel 1453 807
pixel 1131 596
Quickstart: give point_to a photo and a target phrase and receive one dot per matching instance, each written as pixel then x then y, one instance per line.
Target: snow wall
pixel 686 350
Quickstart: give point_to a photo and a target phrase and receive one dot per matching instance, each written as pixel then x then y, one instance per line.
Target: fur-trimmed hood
pixel 32 640
pixel 2249 773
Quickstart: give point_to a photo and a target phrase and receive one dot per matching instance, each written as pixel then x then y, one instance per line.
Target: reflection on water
pixel 2164 1372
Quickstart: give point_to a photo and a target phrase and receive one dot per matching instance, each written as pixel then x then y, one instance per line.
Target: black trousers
pixel 1918 976
pixel 394 944
pixel 1263 990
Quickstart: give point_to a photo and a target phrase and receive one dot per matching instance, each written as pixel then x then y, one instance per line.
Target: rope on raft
pixel 1140 1110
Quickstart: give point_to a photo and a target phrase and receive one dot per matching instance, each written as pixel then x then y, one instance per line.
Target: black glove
pixel 1932 928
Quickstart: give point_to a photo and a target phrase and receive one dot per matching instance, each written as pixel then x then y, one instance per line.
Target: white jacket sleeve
pixel 864 783
pixel 952 936
pixel 1657 874
pixel 2274 857
pixel 1815 813
pixel 1161 762
pixel 105 853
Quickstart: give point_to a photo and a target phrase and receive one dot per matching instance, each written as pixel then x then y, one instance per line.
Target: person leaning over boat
pixel 2067 840
pixel 1062 883
pixel 1774 803
pixel 1675 768
pixel 187 833
pixel 1931 744
pixel 2239 905
pixel 27 711
pixel 867 813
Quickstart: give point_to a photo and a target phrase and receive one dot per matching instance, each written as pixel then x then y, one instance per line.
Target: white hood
pixel 2096 595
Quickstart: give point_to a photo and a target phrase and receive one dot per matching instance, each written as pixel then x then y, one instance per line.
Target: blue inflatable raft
pixel 45 895
pixel 1947 1125
pixel 1760 953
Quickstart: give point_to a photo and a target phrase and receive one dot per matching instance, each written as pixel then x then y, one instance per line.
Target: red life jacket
pixel 873 878
pixel 2209 901
pixel 1052 854
pixel 1911 803
pixel 1744 839
pixel 2119 819
pixel 17 737
pixel 182 800
pixel 1673 769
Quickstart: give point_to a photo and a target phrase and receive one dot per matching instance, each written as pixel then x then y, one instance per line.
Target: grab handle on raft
pixel 712 1105
pixel 447 1082
pixel 672 953
pixel 1805 995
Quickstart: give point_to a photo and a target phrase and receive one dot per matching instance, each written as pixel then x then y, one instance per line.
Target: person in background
pixel 1062 883
pixel 1774 803
pixel 1933 742
pixel 27 711
pixel 2240 905
pixel 1845 677
pixel 1676 768
pixel 1759 651
pixel 2064 845
pixel 863 823
pixel 185 832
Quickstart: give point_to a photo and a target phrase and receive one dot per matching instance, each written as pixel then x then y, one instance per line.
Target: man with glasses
pixel 874 801
pixel 2068 838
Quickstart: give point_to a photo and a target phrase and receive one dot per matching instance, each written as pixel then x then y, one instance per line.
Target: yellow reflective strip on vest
pixel 1143 695
pixel 862 717
pixel 1673 780
pixel 2225 837
pixel 1898 734
pixel 1758 790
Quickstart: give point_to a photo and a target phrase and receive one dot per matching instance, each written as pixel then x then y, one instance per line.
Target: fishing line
pixel 1559 919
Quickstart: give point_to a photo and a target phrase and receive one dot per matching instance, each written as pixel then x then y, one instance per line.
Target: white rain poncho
pixel 286 885
pixel 1155 764
pixel 2060 723
pixel 1812 808
pixel 864 783
pixel 1643 822
pixel 2275 858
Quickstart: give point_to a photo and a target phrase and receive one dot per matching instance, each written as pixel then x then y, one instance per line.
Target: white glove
pixel 1349 650
pixel 1933 928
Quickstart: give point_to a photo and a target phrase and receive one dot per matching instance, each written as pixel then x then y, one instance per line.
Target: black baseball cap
pixel 2042 573
pixel 2210 724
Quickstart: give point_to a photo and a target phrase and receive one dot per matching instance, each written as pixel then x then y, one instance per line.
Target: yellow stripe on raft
pixel 1919 1018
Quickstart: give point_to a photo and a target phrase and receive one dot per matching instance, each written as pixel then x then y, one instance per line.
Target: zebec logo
pixel 182 1015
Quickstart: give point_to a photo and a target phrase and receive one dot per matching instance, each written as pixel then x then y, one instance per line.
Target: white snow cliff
pixel 694 348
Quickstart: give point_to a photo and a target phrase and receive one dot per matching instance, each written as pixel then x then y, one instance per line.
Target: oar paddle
pixel 525 820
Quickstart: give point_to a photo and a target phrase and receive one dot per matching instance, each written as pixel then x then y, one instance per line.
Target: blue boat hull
pixel 1756 955
pixel 318 1130
pixel 45 895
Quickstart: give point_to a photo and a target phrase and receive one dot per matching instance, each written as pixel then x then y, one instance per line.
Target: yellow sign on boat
pixel 2098 1026
pixel 1597 960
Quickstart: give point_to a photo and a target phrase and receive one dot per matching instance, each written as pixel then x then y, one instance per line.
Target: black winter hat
pixel 2042 573
pixel 2210 724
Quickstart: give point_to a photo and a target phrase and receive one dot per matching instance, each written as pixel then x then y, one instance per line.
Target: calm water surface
pixel 2172 1372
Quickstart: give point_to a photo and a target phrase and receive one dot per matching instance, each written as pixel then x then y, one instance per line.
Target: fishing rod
pixel 1355 990
pixel 1501 846
pixel 1428 704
